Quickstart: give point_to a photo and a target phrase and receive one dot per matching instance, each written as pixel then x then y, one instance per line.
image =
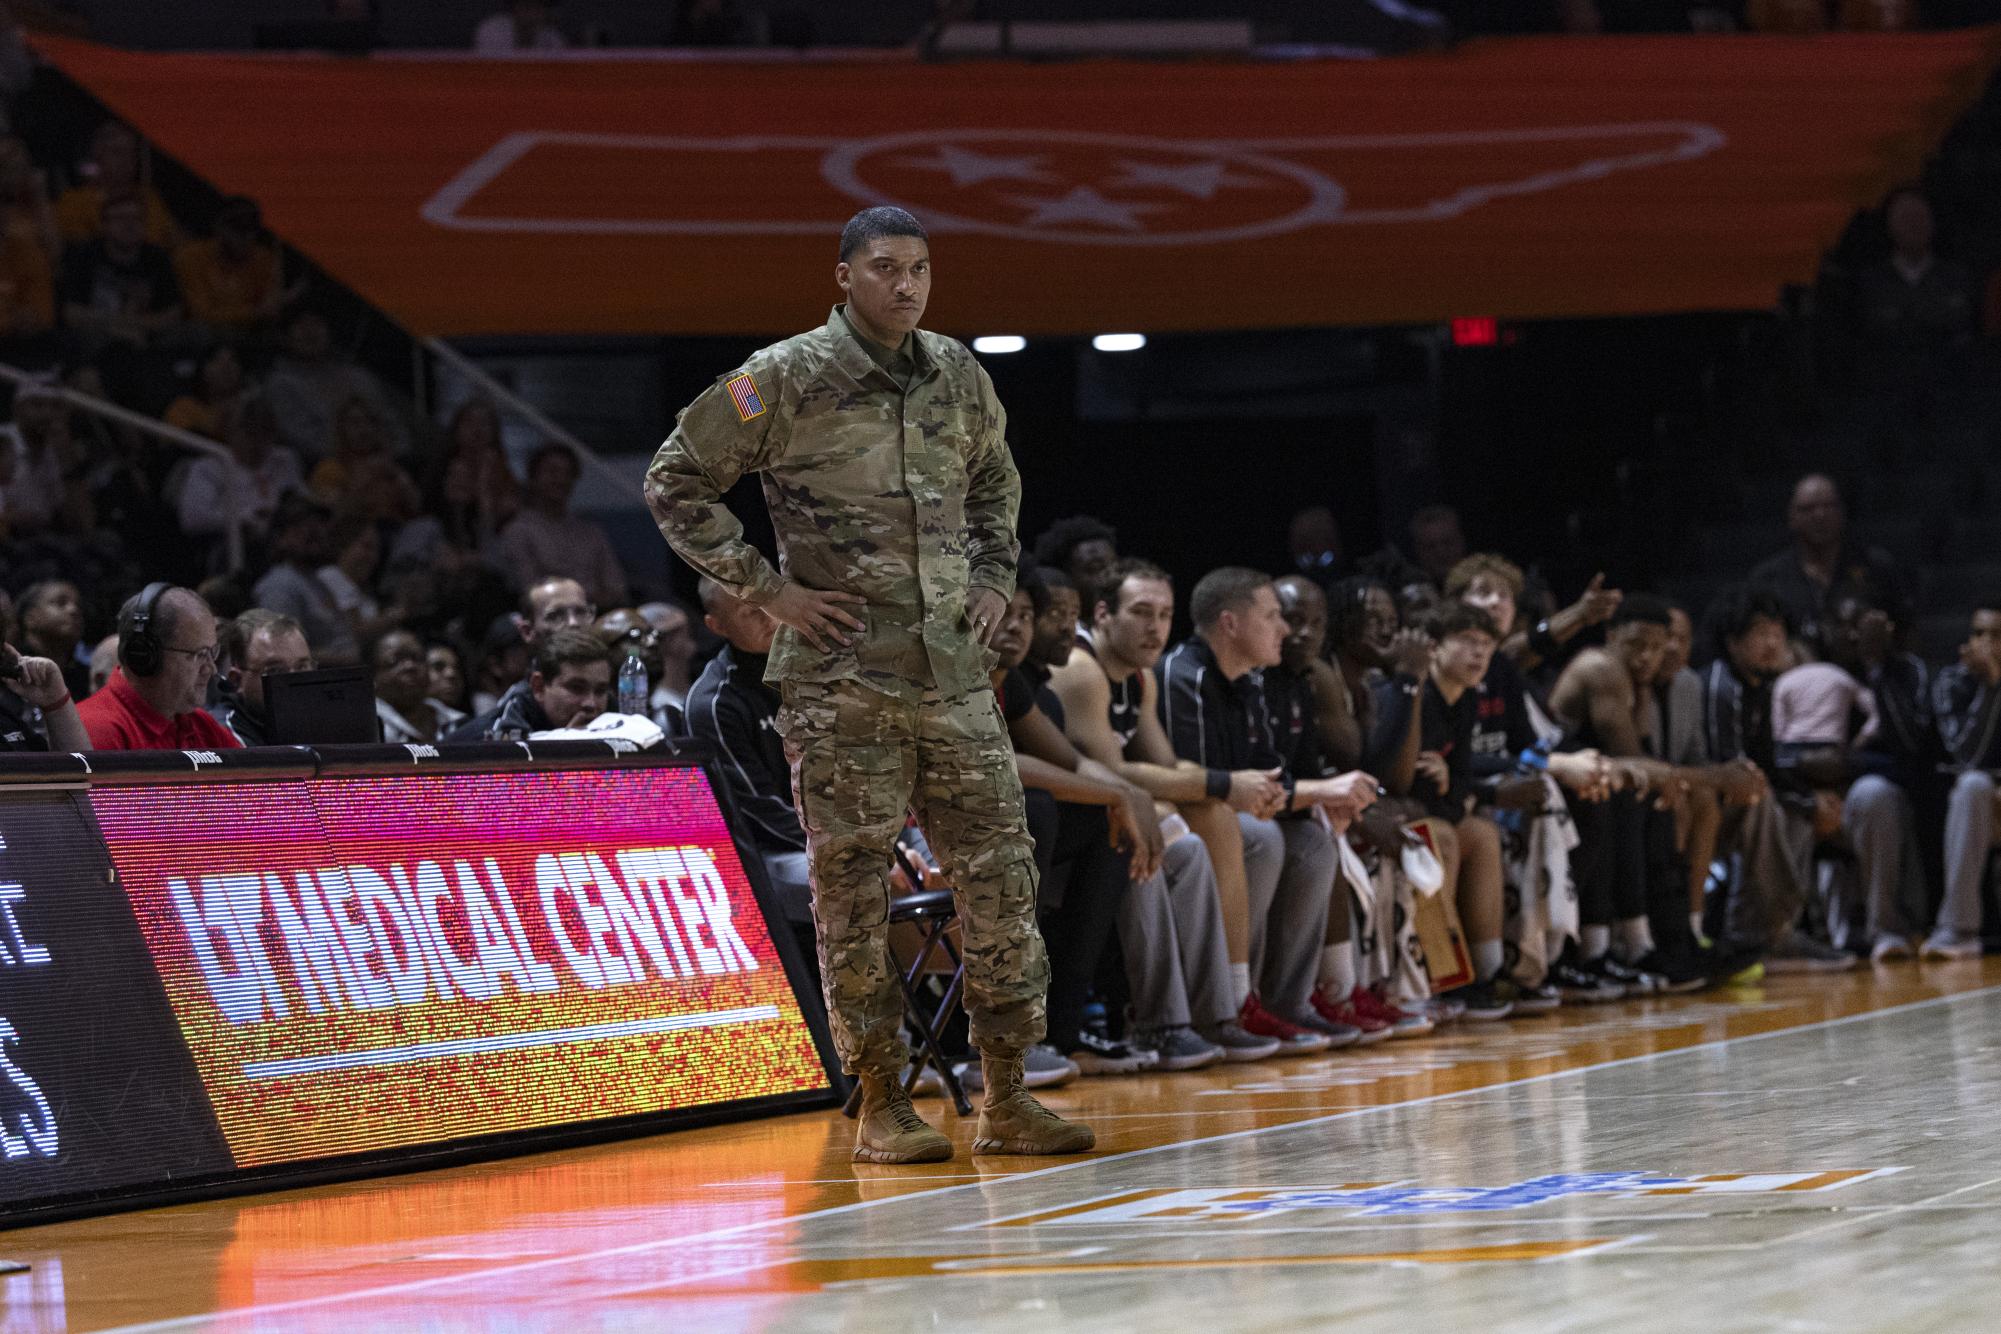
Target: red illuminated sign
pixel 374 963
pixel 1479 331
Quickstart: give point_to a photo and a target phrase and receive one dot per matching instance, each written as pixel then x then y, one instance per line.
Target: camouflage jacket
pixel 907 497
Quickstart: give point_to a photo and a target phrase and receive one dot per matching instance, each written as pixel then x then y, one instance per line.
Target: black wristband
pixel 1218 784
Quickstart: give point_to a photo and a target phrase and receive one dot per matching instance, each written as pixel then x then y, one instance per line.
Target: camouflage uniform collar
pixel 855 359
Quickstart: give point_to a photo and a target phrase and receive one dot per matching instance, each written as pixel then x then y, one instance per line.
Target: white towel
pixel 1542 898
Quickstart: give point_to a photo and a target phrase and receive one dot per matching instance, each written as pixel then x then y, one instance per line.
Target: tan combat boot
pixel 1012 1121
pixel 889 1130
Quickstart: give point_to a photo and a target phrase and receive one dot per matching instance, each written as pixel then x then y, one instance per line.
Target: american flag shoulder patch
pixel 743 391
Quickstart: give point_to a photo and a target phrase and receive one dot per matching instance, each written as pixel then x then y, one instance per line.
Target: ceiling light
pixel 997 344
pixel 1119 342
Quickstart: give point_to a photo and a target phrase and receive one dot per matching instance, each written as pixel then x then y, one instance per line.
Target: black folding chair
pixel 931 914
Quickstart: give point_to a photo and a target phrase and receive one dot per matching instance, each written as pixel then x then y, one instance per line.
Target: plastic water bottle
pixel 632 688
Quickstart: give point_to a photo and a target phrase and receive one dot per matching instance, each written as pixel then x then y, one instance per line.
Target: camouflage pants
pixel 860 760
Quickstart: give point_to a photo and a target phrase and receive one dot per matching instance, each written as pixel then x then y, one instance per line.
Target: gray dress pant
pixel 1880 824
pixel 1171 932
pixel 1969 838
pixel 1290 865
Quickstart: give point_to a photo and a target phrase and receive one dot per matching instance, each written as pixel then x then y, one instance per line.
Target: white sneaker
pixel 1944 944
pixel 1888 948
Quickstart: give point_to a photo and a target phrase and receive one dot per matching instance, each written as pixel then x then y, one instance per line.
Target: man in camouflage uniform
pixel 886 469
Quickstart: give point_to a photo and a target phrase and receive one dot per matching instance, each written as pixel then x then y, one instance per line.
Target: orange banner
pixel 1531 178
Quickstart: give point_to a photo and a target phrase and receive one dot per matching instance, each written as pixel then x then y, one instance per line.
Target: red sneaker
pixel 1293 1040
pixel 1403 1024
pixel 1345 1011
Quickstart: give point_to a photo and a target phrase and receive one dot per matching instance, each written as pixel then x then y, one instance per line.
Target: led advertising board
pixel 97 1092
pixel 204 979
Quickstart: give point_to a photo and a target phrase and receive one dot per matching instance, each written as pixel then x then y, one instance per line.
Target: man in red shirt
pixel 166 658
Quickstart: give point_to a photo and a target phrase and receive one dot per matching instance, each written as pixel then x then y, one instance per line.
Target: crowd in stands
pixel 540 27
pixel 297 509
pixel 531 25
pixel 1784 17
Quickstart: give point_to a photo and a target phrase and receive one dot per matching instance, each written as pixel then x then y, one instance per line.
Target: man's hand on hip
pixel 984 609
pixel 815 614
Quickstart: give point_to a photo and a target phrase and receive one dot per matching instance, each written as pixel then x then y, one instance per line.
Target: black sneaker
pixel 1483 1004
pixel 1725 962
pixel 1578 987
pixel 1636 982
pixel 1094 1054
pixel 1527 1000
pixel 1680 972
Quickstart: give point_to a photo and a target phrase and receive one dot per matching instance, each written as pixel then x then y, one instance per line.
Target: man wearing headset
pixel 166 658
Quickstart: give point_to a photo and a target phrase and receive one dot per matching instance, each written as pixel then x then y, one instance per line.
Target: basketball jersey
pixel 1128 696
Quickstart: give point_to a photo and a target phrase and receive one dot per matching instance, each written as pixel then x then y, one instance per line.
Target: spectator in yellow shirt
pixel 24 198
pixel 219 385
pixel 232 281
pixel 358 440
pixel 112 170
pixel 27 288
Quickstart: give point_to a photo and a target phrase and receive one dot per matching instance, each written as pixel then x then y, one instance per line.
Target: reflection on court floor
pixel 1737 1161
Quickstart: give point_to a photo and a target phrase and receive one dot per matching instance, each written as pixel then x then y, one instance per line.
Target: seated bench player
pixel 1214 711
pixel 1177 972
pixel 1111 714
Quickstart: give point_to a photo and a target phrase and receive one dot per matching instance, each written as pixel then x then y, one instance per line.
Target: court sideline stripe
pixel 719 1234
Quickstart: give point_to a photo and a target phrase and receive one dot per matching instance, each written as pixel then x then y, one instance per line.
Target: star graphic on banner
pixel 1197 180
pixel 967 167
pixel 1083 204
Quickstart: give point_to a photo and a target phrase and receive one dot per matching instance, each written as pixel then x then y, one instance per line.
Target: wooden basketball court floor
pixel 1812 1154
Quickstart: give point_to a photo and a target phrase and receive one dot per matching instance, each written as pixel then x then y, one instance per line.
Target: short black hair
pixel 1228 589
pixel 1736 609
pixel 550 449
pixel 1643 608
pixel 1458 618
pixel 1028 578
pixel 1131 567
pixel 872 224
pixel 1742 606
pixel 1040 582
pixel 34 594
pixel 1060 540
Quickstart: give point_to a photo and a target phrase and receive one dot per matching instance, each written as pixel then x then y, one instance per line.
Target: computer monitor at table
pixel 326 706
